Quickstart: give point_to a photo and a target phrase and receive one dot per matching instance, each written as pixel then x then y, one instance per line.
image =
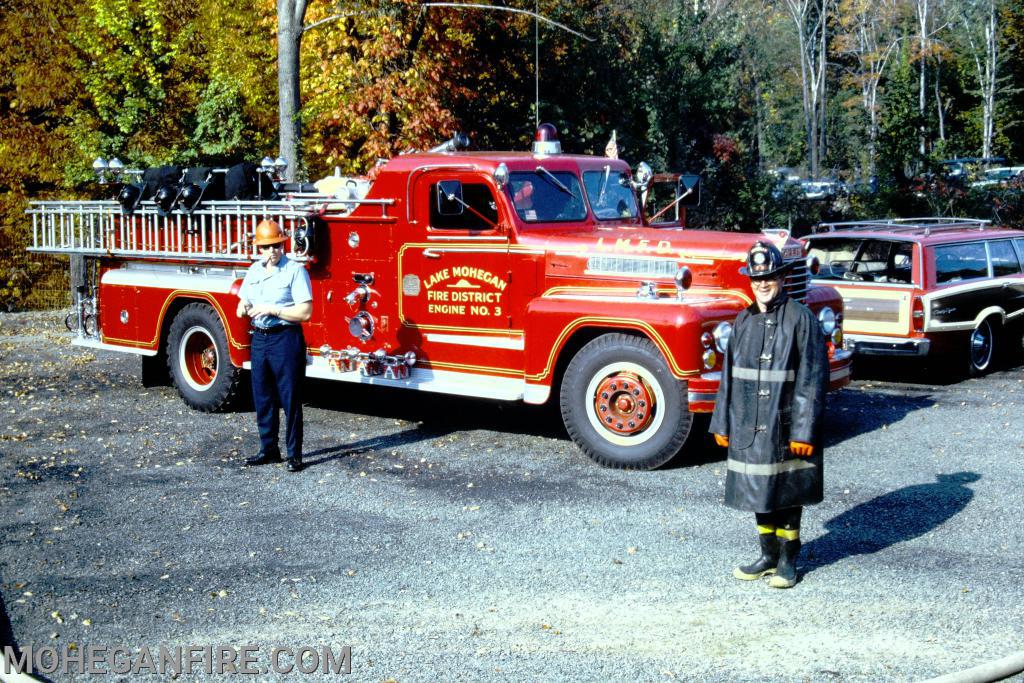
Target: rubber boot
pixel 764 564
pixel 785 573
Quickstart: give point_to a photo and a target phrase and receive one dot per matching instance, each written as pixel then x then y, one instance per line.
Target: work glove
pixel 722 440
pixel 804 450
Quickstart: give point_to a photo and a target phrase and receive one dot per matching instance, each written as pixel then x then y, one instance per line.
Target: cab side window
pixel 959 262
pixel 481 212
pixel 1004 258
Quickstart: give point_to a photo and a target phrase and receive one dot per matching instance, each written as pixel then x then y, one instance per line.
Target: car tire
pixel 199 360
pixel 981 348
pixel 621 404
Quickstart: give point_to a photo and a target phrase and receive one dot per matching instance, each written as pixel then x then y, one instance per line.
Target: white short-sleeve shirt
pixel 285 285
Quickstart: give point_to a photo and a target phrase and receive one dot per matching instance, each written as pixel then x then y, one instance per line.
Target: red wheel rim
pixel 199 358
pixel 624 403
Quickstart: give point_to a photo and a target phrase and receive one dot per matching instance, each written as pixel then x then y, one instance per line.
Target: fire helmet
pixel 165 198
pixel 269 232
pixel 764 262
pixel 188 198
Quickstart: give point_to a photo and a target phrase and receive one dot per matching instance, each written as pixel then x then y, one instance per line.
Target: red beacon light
pixel 545 141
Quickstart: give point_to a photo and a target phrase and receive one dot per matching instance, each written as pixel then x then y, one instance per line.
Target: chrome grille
pixel 620 265
pixel 796 279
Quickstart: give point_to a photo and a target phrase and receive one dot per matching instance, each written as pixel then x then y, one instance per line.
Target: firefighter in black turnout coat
pixel 768 413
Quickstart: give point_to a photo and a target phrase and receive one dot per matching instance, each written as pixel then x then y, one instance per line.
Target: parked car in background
pixel 812 190
pixel 999 176
pixel 926 286
pixel 826 188
pixel 965 169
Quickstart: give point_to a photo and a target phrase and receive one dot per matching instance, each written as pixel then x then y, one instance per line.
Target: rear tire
pixel 981 348
pixel 199 360
pixel 621 404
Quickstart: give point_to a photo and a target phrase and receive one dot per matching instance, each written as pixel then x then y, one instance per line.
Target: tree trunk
pixel 991 77
pixel 290 15
pixel 940 110
pixel 922 25
pixel 822 151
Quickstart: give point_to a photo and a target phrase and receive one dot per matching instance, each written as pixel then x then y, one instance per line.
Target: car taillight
pixel 917 315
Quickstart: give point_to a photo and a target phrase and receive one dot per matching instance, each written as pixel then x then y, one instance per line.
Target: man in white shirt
pixel 277 296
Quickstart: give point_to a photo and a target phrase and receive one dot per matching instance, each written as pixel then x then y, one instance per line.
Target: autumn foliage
pixel 712 87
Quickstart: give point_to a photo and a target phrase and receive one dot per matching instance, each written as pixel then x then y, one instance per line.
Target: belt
pixel 266 331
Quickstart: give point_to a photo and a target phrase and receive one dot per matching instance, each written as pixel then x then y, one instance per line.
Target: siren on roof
pixel 545 141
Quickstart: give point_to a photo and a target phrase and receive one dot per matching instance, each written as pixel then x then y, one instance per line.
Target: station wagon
pixel 926 286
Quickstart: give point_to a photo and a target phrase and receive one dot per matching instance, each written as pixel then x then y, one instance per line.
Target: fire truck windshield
pixel 547 196
pixel 610 195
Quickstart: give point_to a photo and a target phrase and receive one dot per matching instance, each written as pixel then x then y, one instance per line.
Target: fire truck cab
pixel 529 276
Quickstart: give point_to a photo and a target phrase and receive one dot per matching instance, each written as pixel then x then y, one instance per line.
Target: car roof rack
pixel 923 226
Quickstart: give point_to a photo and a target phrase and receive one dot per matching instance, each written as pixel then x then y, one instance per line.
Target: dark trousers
pixel 784 518
pixel 278 368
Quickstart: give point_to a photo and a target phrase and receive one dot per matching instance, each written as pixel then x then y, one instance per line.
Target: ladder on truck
pixel 214 231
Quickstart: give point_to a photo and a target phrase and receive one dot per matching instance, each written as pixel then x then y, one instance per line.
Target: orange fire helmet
pixel 269 232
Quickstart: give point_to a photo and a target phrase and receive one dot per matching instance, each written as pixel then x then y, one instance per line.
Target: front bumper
pixel 867 345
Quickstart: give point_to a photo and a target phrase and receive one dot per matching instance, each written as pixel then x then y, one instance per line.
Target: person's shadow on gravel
pixel 7 640
pixel 851 412
pixel 377 443
pixel 889 519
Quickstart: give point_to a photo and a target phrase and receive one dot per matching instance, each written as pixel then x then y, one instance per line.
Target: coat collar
pixel 773 305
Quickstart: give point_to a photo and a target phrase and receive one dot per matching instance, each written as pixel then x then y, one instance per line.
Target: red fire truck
pixel 510 276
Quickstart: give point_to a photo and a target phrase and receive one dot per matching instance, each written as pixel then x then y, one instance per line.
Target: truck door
pixel 453 270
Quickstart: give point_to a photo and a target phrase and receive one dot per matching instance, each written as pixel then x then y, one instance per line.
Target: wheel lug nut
pixel 643 404
pixel 604 394
pixel 612 386
pixel 640 416
pixel 608 419
pixel 636 392
pixel 620 425
pixel 632 424
pixel 604 409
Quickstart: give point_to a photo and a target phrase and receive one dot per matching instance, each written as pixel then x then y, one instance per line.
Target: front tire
pixel 199 360
pixel 621 404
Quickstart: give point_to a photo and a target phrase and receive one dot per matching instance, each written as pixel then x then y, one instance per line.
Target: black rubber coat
pixel 774 380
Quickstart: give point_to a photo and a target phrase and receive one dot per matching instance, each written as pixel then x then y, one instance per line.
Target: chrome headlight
pixel 721 333
pixel 827 320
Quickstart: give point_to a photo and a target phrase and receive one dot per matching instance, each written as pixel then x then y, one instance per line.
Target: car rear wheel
pixel 981 348
pixel 621 404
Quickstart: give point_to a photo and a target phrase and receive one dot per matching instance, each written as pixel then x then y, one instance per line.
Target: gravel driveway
pixel 447 539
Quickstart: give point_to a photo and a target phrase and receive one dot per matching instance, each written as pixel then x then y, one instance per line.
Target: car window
pixel 480 214
pixel 900 267
pixel 865 260
pixel 1004 258
pixel 835 256
pixel 1020 248
pixel 959 262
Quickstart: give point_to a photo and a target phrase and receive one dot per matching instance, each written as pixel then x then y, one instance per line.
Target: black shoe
pixel 765 564
pixel 262 459
pixel 294 465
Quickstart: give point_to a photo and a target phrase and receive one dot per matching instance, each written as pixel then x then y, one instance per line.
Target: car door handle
pixel 430 253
